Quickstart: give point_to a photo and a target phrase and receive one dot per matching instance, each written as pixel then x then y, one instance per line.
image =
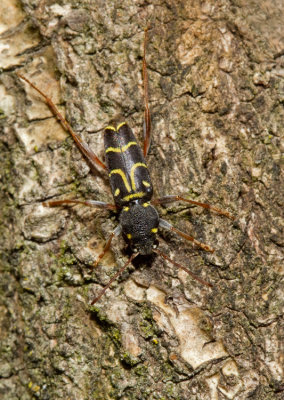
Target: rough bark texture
pixel 216 96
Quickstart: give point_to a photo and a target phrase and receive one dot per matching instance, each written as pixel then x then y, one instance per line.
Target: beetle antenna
pixel 114 278
pixel 182 267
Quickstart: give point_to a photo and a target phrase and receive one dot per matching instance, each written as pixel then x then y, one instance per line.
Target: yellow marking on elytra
pixel 125 208
pixel 122 174
pixel 121 149
pixel 132 172
pixel 134 196
pixel 145 183
pixel 128 145
pixel 114 149
pixel 145 204
pixel 120 125
pixel 129 236
pixel 154 230
pixel 111 128
pixel 117 191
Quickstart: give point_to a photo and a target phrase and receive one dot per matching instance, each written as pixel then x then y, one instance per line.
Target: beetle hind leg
pixel 83 147
pixel 147 115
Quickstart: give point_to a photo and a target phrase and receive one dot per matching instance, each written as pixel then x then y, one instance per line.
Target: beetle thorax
pixel 139 223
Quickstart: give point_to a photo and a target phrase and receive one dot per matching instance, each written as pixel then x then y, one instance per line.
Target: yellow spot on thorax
pixel 129 236
pixel 154 230
pixel 117 191
pixel 145 183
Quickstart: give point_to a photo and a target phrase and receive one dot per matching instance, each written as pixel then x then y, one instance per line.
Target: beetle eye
pixel 154 246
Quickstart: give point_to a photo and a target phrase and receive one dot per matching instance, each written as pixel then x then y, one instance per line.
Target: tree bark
pixel 216 99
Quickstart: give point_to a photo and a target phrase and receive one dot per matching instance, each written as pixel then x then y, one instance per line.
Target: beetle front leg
pixel 116 232
pixel 102 292
pixel 166 225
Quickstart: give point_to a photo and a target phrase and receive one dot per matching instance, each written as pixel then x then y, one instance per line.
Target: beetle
pixel 131 186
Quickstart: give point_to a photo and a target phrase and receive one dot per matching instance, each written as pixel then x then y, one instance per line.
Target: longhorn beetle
pixel 130 185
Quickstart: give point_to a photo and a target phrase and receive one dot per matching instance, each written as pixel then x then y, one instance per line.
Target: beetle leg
pixel 83 147
pixel 147 116
pixel 166 225
pixel 114 278
pixel 116 232
pixel 170 199
pixel 91 203
pixel 182 267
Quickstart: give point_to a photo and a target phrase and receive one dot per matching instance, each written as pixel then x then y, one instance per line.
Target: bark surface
pixel 216 97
